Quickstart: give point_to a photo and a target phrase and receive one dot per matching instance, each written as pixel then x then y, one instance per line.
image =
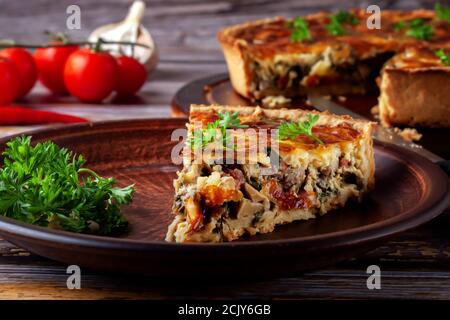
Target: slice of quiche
pixel 266 168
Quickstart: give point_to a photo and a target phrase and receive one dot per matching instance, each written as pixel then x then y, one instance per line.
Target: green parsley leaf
pixel 300 30
pixel 201 138
pixel 399 26
pixel 445 58
pixel 291 130
pixel 335 27
pixel 417 28
pixel 346 17
pixel 48 186
pixel 442 12
pixel 230 121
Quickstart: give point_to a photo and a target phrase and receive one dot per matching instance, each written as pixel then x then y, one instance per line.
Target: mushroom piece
pixel 257 196
pixel 247 209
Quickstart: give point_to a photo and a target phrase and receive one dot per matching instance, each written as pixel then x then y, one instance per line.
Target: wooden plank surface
pixel 415 264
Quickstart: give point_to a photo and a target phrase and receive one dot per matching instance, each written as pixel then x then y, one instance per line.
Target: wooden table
pixel 415 264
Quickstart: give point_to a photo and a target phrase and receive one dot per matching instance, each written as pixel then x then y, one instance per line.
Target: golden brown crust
pixel 238 67
pixel 235 53
pixel 415 97
pixel 415 90
pixel 227 35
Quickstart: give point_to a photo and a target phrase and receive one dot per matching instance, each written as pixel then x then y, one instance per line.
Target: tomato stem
pixel 58 37
pixel 6 43
pixel 98 45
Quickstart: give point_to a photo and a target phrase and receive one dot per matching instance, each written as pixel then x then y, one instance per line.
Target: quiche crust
pixel 415 90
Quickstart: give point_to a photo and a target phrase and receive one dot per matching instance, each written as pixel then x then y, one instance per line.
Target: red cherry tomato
pixel 9 81
pixel 90 76
pixel 50 63
pixel 132 75
pixel 25 66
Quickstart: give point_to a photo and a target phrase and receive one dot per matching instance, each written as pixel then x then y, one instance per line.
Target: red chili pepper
pixel 28 116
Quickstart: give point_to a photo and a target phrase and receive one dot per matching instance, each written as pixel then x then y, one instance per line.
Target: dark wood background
pixel 414 265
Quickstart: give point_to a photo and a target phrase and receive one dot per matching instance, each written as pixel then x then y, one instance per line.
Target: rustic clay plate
pixel 409 191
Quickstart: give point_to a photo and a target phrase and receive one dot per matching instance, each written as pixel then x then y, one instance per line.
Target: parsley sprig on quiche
pixel 201 138
pixel 416 28
pixel 291 130
pixel 300 30
pixel 338 20
pixel 444 57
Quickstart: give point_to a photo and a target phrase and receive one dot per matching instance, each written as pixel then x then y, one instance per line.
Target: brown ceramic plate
pixel 409 191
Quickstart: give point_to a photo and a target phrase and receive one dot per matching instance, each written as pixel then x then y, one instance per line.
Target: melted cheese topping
pixel 328 134
pixel 416 58
pixel 272 38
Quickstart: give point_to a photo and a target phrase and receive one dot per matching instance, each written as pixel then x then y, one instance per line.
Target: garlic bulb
pixel 130 30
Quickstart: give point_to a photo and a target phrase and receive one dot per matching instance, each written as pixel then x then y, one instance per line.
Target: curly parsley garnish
pixel 399 26
pixel 201 138
pixel 300 30
pixel 337 21
pixel 48 186
pixel 291 130
pixel 230 121
pixel 227 120
pixel 445 57
pixel 443 13
pixel 417 28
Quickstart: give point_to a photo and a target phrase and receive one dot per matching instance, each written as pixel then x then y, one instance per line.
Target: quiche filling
pixel 295 75
pixel 217 201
